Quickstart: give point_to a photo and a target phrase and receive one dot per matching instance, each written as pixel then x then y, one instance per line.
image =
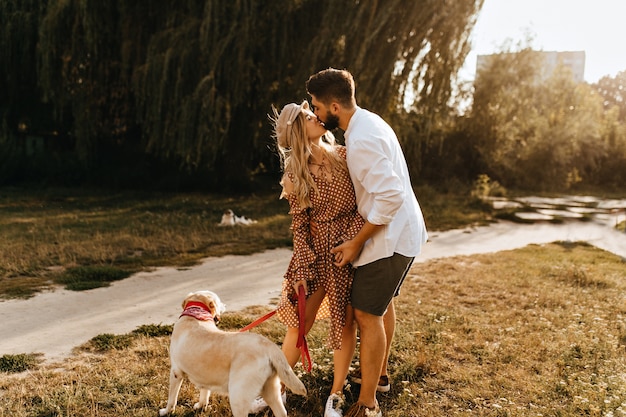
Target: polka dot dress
pixel 334 210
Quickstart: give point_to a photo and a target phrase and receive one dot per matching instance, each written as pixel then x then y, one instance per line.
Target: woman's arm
pixel 303 257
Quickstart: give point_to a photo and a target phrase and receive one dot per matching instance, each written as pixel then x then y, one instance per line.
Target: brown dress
pixel 335 212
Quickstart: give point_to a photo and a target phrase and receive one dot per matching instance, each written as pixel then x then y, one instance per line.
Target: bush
pixel 485 187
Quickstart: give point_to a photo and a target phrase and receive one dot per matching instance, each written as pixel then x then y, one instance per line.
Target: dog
pixel 240 365
pixel 230 219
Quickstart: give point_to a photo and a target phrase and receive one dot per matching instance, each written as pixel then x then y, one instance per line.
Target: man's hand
pixel 346 252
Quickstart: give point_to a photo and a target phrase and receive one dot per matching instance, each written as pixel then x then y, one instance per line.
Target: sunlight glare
pixel 595 27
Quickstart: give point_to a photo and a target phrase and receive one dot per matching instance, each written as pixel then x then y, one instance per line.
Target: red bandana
pixel 198 311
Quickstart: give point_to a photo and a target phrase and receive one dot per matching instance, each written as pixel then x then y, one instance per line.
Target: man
pixel 394 230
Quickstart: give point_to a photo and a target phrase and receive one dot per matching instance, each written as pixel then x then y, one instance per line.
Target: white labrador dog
pixel 240 365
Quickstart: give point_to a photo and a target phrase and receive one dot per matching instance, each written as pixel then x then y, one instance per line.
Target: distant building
pixel 574 60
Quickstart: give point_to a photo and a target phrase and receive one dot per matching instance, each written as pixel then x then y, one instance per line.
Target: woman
pixel 319 190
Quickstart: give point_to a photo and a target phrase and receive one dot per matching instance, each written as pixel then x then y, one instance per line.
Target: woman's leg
pixel 292 353
pixel 343 357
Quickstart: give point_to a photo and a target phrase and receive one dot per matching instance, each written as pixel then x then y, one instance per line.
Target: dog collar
pixel 197 310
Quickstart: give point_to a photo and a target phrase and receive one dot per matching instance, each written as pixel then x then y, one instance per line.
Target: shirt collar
pixel 355 116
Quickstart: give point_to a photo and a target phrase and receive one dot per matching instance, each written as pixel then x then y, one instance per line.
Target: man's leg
pixel 389 322
pixel 373 289
pixel 373 342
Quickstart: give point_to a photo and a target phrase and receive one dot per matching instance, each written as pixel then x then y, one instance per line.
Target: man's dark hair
pixel 332 85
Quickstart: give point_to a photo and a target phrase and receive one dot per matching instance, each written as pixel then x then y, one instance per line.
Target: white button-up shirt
pixel 384 194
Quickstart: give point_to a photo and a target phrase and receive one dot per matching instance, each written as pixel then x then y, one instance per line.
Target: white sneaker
pixel 333 405
pixel 259 403
pixel 359 410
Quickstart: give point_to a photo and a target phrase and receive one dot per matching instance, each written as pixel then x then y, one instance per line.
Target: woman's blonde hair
pixel 294 150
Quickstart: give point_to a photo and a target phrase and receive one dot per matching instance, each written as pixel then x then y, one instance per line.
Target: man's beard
pixel 332 121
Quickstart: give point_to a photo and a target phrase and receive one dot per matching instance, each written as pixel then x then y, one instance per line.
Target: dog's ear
pixel 213 308
pixel 217 308
pixel 186 300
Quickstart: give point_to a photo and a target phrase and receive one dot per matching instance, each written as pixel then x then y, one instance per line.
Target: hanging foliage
pixel 191 82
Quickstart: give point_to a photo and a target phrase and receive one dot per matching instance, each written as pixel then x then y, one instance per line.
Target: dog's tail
pixel 286 374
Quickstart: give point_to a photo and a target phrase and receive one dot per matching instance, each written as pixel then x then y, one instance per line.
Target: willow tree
pixel 82 74
pixel 191 82
pixel 19 92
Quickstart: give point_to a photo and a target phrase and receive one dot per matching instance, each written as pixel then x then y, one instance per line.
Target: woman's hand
pixel 301 283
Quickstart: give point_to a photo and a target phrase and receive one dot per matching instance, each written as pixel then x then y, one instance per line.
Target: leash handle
pixel 301 343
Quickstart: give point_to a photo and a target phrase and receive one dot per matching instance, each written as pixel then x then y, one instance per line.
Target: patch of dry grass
pixel 539 331
pixel 45 233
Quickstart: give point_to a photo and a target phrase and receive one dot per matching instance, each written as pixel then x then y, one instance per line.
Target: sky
pixel 597 27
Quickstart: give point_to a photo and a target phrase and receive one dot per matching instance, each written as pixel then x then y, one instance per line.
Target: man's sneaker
pixel 383 381
pixel 360 410
pixel 333 405
pixel 259 403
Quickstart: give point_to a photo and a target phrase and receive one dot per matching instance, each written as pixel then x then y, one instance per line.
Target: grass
pixel 19 363
pixel 87 277
pixel 79 238
pixel 84 239
pixel 538 331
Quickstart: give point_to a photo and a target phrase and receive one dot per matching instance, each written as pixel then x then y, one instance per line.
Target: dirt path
pixel 54 323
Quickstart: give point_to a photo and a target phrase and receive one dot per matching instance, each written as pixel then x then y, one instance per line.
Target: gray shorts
pixel 375 284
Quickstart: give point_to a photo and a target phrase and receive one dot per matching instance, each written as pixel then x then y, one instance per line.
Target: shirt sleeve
pixel 303 257
pixel 372 168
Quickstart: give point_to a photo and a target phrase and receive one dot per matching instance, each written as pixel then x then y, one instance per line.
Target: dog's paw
pixel 164 411
pixel 199 406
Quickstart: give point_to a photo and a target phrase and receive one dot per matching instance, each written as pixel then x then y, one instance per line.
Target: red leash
pixel 258 321
pixel 304 348
pixel 301 343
